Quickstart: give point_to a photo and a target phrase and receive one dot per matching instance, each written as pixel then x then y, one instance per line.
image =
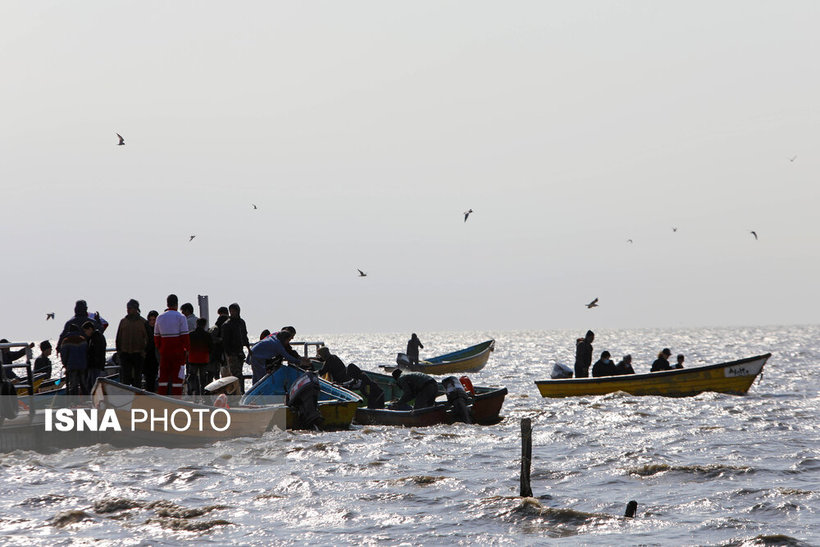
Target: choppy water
pixel 706 470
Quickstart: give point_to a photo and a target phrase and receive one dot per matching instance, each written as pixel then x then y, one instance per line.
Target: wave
pixel 766 541
pixel 707 471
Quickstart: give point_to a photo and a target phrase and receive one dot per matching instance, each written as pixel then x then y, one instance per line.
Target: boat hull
pixel 125 400
pixel 470 359
pixel 735 378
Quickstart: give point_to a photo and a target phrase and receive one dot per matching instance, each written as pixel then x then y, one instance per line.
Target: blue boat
pixel 337 405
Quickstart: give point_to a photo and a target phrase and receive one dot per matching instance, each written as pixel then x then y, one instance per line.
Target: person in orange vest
pixel 172 341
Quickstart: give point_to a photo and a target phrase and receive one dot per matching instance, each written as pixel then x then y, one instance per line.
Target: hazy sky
pixel 364 130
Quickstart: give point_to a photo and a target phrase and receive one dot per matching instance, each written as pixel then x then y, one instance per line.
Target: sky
pixel 363 130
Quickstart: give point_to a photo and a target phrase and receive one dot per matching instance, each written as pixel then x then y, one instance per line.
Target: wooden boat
pixel 337 405
pixel 484 408
pixel 207 423
pixel 735 377
pixel 470 359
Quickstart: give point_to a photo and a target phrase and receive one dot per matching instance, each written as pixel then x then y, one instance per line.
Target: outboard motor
pixel 403 360
pixel 303 398
pixel 457 397
pixel 560 370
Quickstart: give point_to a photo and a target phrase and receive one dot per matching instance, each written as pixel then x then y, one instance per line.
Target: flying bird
pixel 361 273
pixel 593 304
pixel 791 159
pixel 629 241
pixel 467 214
pixel 191 238
pixel 754 234
pixel 49 316
pixel 122 141
pixel 674 228
pixel 254 206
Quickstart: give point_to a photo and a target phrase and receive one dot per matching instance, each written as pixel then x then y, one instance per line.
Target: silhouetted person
pixel 413 346
pixel 43 364
pixel 198 358
pixel 74 355
pixel 96 354
pixel 603 366
pixel 332 366
pixel 132 344
pixel 625 366
pixel 583 355
pixel 150 368
pixel 370 390
pixel 679 364
pixel 187 309
pixel 415 385
pixel 7 357
pixel 234 338
pixel 218 366
pixel 662 362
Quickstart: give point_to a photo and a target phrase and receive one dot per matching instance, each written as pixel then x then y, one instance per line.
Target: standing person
pixel 679 364
pixel 172 341
pixel 43 363
pixel 234 338
pixel 198 358
pixel 96 354
pixel 132 344
pixel 583 355
pixel 217 362
pixel 413 346
pixel 418 386
pixel 187 310
pixel 74 355
pixel 662 362
pixel 80 317
pixel 150 368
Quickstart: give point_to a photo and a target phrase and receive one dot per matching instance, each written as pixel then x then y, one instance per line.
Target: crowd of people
pixel 604 366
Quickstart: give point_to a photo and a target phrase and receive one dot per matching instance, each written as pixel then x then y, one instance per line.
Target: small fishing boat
pixel 470 359
pixel 146 418
pixel 735 377
pixel 484 406
pixel 337 405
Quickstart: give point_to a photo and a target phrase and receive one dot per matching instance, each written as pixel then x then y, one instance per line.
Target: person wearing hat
pixel 583 355
pixel 662 362
pixel 80 316
pixel 132 341
pixel 604 366
pixel 415 385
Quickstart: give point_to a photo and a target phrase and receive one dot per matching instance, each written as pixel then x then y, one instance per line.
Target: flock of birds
pixel 467 213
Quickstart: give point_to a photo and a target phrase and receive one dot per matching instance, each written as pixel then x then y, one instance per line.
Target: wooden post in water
pixel 631 507
pixel 526 456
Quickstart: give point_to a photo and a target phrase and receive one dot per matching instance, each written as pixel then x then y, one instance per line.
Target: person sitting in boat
pixel 662 362
pixel 679 364
pixel 415 385
pixel 332 366
pixel 625 366
pixel 272 349
pixel 361 382
pixel 583 355
pixel 604 366
pixel 43 364
pixel 413 346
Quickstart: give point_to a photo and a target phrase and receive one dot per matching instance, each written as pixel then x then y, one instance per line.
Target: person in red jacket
pixel 172 341
pixel 198 358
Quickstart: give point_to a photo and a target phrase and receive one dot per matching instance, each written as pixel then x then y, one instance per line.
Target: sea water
pixel 707 470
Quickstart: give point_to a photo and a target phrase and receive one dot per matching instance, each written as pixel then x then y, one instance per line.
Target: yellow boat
pixel 735 378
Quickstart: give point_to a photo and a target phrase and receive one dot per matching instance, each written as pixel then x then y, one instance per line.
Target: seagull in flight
pixel 754 234
pixel 593 304
pixel 361 273
pixel 191 238
pixel 467 214
pixel 791 159
pixel 49 316
pixel 254 206
pixel 122 141
pixel 629 241
pixel 674 228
